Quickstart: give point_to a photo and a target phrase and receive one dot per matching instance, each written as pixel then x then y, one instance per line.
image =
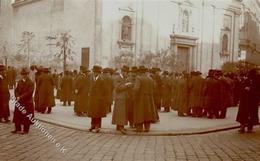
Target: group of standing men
pixel 138 93
pixel 130 89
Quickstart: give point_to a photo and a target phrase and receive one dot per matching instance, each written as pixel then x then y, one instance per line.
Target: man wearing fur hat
pixel 4 96
pixel 25 106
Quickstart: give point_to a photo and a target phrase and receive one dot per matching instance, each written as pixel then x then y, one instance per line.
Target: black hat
pixel 134 69
pixel 165 72
pixel 198 73
pixel 2 68
pixel 125 68
pixel 24 71
pixel 106 70
pixel 142 69
pixel 45 70
pixel 97 69
pixel 82 68
pixel 211 73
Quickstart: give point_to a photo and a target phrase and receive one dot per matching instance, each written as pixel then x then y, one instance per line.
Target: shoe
pixel 97 130
pixel 146 130
pixel 24 133
pixel 91 129
pixel 7 121
pixel 123 131
pixel 241 131
pixel 15 132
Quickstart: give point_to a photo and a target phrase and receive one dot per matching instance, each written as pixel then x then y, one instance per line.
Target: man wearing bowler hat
pixel 24 108
pixel 97 99
pixel 4 96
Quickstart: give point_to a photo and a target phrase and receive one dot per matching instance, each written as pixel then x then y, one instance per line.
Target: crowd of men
pixel 136 93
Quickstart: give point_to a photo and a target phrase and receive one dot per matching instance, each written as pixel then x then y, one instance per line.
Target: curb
pixel 161 133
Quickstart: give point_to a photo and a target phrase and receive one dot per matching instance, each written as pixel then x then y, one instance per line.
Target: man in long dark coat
pixel 66 89
pixel 24 106
pixel 212 91
pixel 144 108
pixel 249 98
pixel 82 86
pixel 36 93
pixel 157 87
pixel 166 91
pixel 46 92
pixel 130 106
pixel 196 86
pixel 4 96
pixel 97 99
pixel 110 87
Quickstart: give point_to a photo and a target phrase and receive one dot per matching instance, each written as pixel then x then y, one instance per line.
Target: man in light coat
pixel 122 86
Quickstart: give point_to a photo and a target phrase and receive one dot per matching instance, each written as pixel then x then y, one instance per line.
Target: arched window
pixel 224 44
pixel 126 28
pixel 185 21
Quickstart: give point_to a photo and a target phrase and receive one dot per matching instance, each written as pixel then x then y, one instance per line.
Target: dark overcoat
pixel 24 91
pixel 110 87
pixel 46 91
pixel 196 86
pixel 144 108
pixel 97 98
pixel 212 95
pixel 182 100
pixel 166 92
pixel 157 92
pixel 66 88
pixel 4 98
pixel 82 85
pixel 36 93
pixel 226 92
pixel 249 99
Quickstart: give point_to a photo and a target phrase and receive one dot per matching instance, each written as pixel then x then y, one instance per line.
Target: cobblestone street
pixel 80 145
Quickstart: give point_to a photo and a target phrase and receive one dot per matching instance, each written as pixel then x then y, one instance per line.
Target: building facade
pixel 205 33
pixel 250 31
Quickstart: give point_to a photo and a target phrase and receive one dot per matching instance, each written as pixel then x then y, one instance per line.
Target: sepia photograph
pixel 129 80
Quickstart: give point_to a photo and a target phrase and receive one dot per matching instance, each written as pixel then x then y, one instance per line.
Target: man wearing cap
pixel 82 86
pixel 24 107
pixel 97 99
pixel 122 86
pixel 46 92
pixel 144 109
pixel 4 96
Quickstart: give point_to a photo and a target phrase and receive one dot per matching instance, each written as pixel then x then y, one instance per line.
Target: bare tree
pixel 64 43
pixel 4 51
pixel 124 58
pixel 25 45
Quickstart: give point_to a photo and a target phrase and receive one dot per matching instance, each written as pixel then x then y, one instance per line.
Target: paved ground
pixel 170 123
pixel 84 146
